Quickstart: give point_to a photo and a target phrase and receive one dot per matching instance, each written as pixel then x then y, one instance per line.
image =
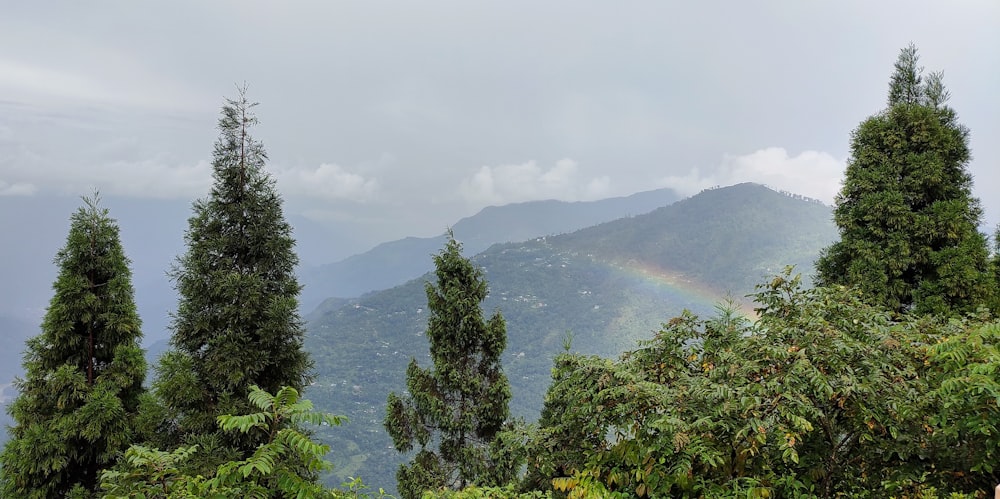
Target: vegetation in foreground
pixel 237 323
pixel 78 405
pixel 908 221
pixel 823 396
pixel 455 411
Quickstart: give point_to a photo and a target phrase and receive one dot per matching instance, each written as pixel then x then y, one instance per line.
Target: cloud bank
pixel 813 174
pixel 327 182
pixel 145 178
pixel 161 180
pixel 504 184
pixel 17 189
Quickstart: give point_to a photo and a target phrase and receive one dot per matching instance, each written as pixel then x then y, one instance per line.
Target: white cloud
pixel 19 78
pixel 111 78
pixel 327 181
pixel 150 178
pixel 17 189
pixel 158 180
pixel 503 184
pixel 146 178
pixel 599 187
pixel 118 168
pixel 811 173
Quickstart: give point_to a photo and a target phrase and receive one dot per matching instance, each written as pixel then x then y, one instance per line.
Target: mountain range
pixel 605 273
pixel 603 288
pixel 152 233
pixel 395 262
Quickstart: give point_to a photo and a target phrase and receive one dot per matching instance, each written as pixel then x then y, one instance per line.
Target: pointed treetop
pixel 935 93
pixel 237 157
pixel 238 111
pixel 908 86
pixel 93 202
pixel 905 86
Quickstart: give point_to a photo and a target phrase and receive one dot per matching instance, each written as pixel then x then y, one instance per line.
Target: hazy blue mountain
pixel 395 262
pixel 13 333
pixel 152 233
pixel 608 285
pixel 523 221
pixel 34 229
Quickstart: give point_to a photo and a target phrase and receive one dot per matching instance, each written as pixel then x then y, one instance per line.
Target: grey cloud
pixel 812 174
pixel 17 189
pixel 636 95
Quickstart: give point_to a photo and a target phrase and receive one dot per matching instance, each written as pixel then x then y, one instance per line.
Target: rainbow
pixel 680 289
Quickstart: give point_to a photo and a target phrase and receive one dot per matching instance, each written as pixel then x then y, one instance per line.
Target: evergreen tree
pixel 995 267
pixel 237 323
pixel 460 403
pixel 76 411
pixel 907 218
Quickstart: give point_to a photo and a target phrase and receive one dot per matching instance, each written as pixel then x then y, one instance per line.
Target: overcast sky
pixel 401 117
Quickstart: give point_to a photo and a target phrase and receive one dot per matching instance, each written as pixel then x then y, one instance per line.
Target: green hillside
pixel 394 262
pixel 609 285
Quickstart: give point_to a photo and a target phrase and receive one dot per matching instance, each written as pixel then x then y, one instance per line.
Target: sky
pixel 391 119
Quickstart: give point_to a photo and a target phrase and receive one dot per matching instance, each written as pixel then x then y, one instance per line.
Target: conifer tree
pixel 237 324
pixel 455 408
pixel 76 411
pixel 995 267
pixel 907 218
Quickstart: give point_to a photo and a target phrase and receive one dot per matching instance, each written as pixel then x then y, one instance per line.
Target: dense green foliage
pixel 907 218
pixel 823 396
pixel 455 409
pixel 77 406
pixel 995 272
pixel 237 323
pixel 474 492
pixel 274 467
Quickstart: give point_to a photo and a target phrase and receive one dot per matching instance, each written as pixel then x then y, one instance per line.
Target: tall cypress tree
pixel 907 218
pixel 78 402
pixel 237 324
pixel 460 403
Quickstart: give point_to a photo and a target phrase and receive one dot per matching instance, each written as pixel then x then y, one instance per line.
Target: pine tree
pixel 460 403
pixel 907 218
pixel 237 323
pixel 76 411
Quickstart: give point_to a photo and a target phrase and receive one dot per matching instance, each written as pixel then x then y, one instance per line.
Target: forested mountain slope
pixel 607 285
pixel 395 262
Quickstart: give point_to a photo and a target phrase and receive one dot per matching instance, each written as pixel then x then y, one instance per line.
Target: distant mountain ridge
pixel 608 285
pixel 13 334
pixel 710 237
pixel 392 263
